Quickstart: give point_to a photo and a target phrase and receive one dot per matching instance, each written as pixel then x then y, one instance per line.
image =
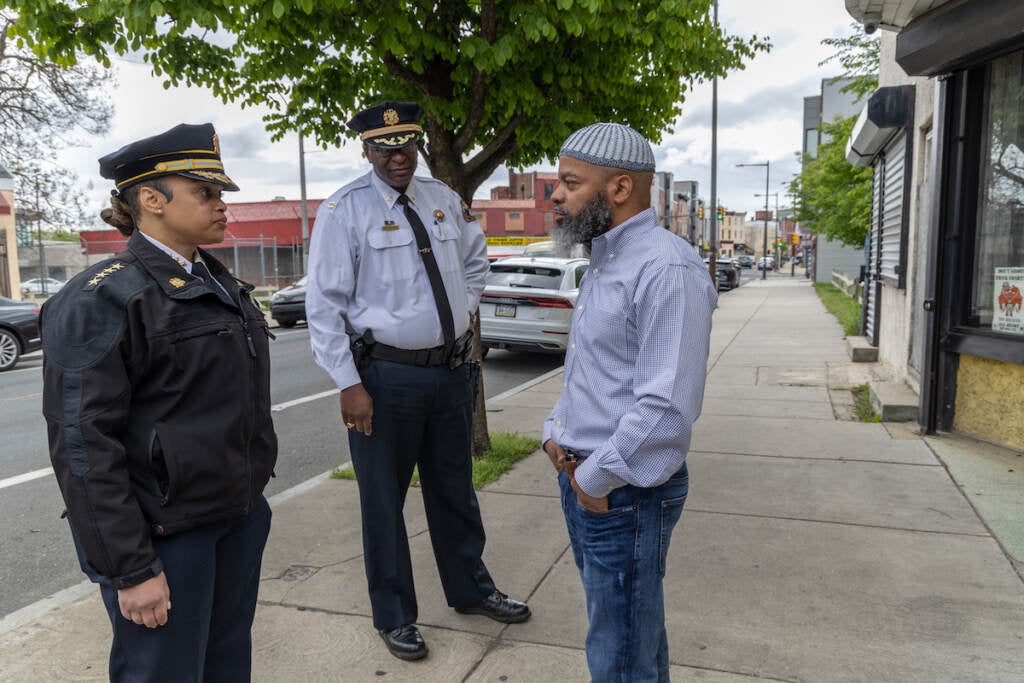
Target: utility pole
pixel 305 209
pixel 42 252
pixel 775 247
pixel 712 269
pixel 764 245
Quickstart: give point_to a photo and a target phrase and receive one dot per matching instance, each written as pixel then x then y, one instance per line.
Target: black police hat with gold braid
pixel 187 150
pixel 388 124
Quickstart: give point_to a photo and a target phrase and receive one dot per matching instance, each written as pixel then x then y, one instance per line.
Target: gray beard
pixel 593 220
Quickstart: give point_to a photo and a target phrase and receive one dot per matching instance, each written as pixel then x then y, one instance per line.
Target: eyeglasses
pixel 409 149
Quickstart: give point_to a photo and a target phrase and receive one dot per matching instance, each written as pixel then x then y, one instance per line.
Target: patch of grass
pixel 845 309
pixel 862 404
pixel 506 450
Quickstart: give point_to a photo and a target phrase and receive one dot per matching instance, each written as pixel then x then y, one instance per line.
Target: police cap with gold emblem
pixel 388 124
pixel 187 150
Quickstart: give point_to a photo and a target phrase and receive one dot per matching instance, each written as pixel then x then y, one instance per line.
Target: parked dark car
pixel 746 261
pixel 19 331
pixel 728 275
pixel 288 305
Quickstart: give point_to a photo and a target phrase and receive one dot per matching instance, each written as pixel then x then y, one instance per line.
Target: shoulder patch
pixel 467 213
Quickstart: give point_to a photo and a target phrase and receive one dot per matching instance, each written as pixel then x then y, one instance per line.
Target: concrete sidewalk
pixel 812 548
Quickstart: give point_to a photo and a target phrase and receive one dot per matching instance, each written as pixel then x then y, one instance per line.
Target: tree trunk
pixel 481 435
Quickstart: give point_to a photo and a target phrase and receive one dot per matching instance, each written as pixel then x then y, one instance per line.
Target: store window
pixel 997 302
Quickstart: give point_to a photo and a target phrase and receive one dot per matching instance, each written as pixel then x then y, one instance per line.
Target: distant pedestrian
pixel 634 382
pixel 156 392
pixel 397 265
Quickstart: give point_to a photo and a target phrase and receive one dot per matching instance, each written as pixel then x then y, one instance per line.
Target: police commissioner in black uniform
pixel 156 397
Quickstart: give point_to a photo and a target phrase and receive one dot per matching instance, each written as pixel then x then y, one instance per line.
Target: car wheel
pixel 10 350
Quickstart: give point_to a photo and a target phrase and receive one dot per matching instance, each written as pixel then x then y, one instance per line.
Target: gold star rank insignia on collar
pixel 389 226
pixel 176 282
pixel 438 215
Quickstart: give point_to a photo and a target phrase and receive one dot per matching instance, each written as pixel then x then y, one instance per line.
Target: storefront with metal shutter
pixel 973 358
pixel 880 139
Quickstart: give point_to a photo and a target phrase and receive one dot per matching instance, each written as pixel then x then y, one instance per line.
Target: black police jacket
pixel 156 393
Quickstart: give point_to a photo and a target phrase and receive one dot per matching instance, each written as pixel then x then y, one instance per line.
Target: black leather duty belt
pixel 423 358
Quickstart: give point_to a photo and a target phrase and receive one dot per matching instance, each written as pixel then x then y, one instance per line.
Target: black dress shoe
pixel 499 607
pixel 405 642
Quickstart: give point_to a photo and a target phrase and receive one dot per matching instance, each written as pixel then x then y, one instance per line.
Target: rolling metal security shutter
pixel 892 208
pixel 871 279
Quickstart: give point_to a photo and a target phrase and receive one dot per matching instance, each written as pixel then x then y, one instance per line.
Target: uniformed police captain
pixel 156 397
pixel 396 269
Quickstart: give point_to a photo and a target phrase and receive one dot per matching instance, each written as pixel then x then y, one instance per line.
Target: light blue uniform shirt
pixel 637 359
pixel 364 267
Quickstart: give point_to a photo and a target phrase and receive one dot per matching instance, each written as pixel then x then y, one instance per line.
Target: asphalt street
pixel 36 554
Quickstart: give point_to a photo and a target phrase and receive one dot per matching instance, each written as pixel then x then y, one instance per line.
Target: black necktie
pixel 200 271
pixel 444 308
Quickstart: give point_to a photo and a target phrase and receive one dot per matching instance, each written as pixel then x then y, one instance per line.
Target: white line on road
pixel 305 399
pixel 28 476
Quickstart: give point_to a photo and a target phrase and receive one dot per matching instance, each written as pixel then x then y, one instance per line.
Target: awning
pixel 887 111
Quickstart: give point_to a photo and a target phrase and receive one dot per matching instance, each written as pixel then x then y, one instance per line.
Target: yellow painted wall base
pixel 990 400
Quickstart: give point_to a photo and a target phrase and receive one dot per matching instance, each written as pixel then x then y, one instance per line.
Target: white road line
pixel 305 399
pixel 28 476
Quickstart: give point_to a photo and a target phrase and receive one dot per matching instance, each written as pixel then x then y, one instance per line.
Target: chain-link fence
pixel 257 260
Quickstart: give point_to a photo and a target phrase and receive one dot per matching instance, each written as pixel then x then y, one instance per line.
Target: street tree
pixel 500 82
pixel 45 108
pixel 832 196
pixel 857 54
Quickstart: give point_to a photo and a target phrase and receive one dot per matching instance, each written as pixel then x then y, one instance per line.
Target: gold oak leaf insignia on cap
pixel 390 117
pixel 216 144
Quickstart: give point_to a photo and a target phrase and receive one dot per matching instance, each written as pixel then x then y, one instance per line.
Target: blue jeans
pixel 621 557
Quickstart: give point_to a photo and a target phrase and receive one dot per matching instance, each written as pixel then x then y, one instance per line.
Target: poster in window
pixel 1007 315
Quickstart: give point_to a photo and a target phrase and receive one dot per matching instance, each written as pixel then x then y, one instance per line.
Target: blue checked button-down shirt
pixel 637 359
pixel 364 267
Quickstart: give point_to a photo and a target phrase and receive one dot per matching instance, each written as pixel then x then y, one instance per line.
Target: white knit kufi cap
pixel 610 144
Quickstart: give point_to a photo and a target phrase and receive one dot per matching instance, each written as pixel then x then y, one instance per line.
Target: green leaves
pixel 502 81
pixel 831 195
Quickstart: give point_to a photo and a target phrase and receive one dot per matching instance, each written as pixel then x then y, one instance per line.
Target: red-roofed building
pixel 522 209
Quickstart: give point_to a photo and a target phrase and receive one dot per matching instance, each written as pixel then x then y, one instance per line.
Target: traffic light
pixel 700 213
pixel 796 238
pixel 721 213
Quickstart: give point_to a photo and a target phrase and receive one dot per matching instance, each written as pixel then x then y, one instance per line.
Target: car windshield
pixel 530 276
pixel 301 282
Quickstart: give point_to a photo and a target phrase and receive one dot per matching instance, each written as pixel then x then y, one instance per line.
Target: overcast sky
pixel 760 114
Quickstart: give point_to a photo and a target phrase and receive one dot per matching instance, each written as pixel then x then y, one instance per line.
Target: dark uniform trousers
pixel 422 416
pixel 213 573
